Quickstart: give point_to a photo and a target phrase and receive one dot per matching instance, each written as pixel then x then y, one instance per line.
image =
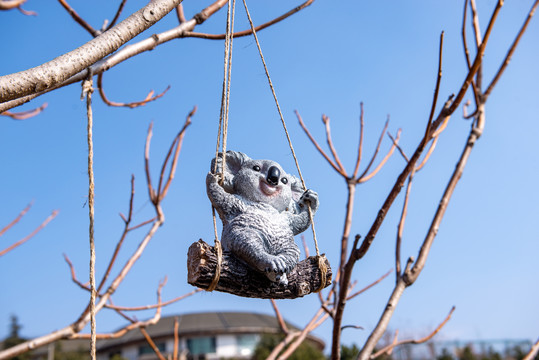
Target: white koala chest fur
pixel 260 220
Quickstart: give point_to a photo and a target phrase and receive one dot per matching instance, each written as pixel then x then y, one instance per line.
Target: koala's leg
pixel 250 246
pixel 289 252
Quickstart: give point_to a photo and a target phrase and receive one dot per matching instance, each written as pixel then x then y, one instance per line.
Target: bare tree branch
pixel 29 236
pixel 54 72
pixel 23 115
pixel 152 344
pixel 280 319
pixel 72 331
pixel 477 62
pixel 511 50
pixel 149 97
pixel 369 286
pixel 363 178
pixel 533 351
pixel 315 143
pixel 74 275
pixel 176 339
pixel 101 63
pixel 180 14
pixel 117 16
pixel 250 31
pixel 11 4
pixel 360 145
pixel 79 19
pixel 153 306
pixel 375 151
pixel 325 120
pixel 17 219
pixel 387 349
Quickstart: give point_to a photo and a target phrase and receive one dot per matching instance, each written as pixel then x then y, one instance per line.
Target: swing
pixel 262 208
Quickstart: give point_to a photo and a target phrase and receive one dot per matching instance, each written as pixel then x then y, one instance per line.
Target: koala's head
pixel 259 180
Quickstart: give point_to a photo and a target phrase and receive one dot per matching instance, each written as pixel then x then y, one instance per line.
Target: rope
pixel 87 90
pixel 321 261
pixel 223 129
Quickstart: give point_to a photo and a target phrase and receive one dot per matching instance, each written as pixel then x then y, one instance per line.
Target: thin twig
pixel 26 12
pixel 176 339
pixel 177 143
pixel 74 276
pixel 316 321
pixel 403 154
pixel 122 237
pixel 23 115
pixel 180 14
pixel 325 120
pixel 151 192
pixel 29 236
pixel 359 292
pixel 79 19
pixel 17 219
pixel 121 332
pixel 511 50
pixel 475 24
pixel 437 87
pixel 466 52
pixel 153 306
pixel 360 145
pixel 315 143
pixel 117 16
pixel 152 343
pixel 413 341
pixel 477 61
pixel 400 229
pixel 149 98
pixel 375 151
pixel 280 319
pixel 367 177
pixel 144 223
pixel 250 31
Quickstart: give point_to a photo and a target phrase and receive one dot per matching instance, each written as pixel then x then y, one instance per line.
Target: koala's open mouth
pixel 267 189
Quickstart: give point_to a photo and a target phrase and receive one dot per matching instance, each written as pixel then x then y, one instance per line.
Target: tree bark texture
pixel 55 71
pixel 239 279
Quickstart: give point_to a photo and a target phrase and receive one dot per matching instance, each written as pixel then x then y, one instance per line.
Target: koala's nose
pixel 273 175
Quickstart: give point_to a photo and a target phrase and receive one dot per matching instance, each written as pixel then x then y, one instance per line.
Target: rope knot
pixel 87 87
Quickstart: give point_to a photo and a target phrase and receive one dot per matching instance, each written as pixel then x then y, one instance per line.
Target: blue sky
pixel 326 59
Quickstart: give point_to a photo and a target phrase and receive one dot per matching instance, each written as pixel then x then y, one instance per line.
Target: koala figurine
pixel 261 208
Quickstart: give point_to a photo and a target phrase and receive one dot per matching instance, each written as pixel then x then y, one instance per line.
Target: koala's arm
pixel 226 204
pixel 299 218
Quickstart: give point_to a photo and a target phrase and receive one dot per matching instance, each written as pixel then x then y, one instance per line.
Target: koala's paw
pixel 275 264
pixel 282 279
pixel 212 178
pixel 310 198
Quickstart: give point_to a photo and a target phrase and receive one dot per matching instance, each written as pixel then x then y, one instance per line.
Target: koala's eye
pixel 284 180
pixel 256 168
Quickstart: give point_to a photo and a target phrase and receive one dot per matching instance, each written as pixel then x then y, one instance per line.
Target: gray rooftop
pixel 205 324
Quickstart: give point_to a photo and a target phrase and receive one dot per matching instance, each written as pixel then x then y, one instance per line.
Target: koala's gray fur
pixel 261 208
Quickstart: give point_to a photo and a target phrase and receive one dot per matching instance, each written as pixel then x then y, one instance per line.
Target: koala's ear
pixel 234 160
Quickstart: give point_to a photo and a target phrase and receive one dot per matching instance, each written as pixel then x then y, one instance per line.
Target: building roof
pixel 205 324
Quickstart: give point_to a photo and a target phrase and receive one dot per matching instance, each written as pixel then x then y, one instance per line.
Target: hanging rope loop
pixel 323 268
pixel 223 132
pixel 223 129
